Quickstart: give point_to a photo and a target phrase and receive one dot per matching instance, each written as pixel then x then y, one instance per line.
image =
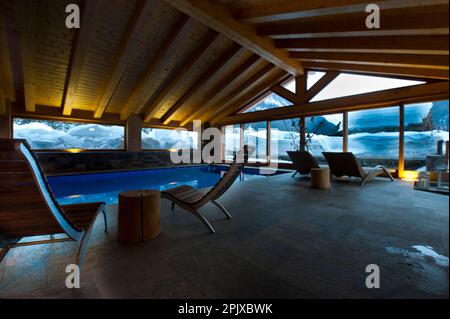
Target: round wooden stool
pixel 139 216
pixel 320 178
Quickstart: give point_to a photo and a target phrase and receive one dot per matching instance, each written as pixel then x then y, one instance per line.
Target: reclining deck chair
pixel 192 199
pixel 303 162
pixel 28 207
pixel 346 164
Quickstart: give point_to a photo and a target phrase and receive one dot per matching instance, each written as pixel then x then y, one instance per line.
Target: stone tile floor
pixel 285 241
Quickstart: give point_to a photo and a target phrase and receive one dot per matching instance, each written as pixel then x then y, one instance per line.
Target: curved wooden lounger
pixel 346 164
pixel 303 162
pixel 28 207
pixel 192 199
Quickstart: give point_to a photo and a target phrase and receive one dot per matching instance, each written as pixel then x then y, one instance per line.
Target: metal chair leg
pixel 105 220
pixel 204 221
pixel 222 209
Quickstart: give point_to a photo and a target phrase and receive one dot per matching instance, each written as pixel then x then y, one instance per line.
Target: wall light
pixel 74 150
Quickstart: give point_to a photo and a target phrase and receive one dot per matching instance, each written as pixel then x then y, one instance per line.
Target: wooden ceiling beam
pixel 81 42
pixel 439 62
pixel 243 102
pixel 321 84
pixel 247 85
pixel 153 108
pixel 200 82
pixel 411 94
pixel 381 70
pixel 219 18
pixel 140 95
pixel 284 93
pixel 130 44
pixel 211 96
pixel 288 9
pixel 28 26
pixel 435 44
pixel 427 20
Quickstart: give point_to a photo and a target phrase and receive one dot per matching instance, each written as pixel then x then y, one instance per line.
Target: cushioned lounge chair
pixel 303 162
pixel 346 164
pixel 28 207
pixel 191 199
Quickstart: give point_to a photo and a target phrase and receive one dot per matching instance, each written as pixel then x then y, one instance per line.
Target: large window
pixel 284 137
pixel 312 78
pixel 324 134
pixel 232 141
pixel 373 136
pixel 55 135
pixel 255 134
pixel 351 84
pixel 425 125
pixel 153 138
pixel 272 101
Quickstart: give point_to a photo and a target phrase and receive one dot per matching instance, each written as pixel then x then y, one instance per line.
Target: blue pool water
pixel 105 187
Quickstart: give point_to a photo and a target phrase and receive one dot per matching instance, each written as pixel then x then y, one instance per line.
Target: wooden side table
pixel 320 178
pixel 139 216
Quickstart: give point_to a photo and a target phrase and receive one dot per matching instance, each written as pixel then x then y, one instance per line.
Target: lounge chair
pixel 346 164
pixel 303 162
pixel 28 207
pixel 191 199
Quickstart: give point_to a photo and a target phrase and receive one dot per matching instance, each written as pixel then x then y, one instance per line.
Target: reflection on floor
pixel 284 241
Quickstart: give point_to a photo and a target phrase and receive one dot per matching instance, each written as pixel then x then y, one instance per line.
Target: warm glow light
pixel 410 176
pixel 74 150
pixel 173 150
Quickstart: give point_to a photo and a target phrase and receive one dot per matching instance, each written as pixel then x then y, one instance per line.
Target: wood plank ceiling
pixel 173 61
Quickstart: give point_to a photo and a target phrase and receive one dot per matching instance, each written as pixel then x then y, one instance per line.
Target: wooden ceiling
pixel 173 61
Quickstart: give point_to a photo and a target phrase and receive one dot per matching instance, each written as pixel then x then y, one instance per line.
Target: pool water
pixel 105 187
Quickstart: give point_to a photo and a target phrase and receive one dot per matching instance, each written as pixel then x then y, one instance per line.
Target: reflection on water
pixel 422 253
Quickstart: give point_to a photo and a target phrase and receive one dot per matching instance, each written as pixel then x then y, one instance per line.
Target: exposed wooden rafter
pixel 439 62
pixel 151 110
pixel 141 94
pixel 82 40
pixel 288 9
pixel 284 93
pixel 221 62
pixel 321 84
pixel 235 94
pixel 426 20
pixel 129 45
pixel 385 70
pixel 255 91
pixel 210 97
pixel 436 44
pixel 220 18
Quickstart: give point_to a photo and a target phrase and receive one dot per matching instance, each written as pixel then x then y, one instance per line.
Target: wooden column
pixel 300 88
pixel 133 133
pixel 268 146
pixel 302 134
pixel 345 132
pixel 5 121
pixel 401 141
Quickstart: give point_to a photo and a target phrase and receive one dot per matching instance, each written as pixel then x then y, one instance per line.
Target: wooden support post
pixel 401 141
pixel 302 134
pixel 345 132
pixel 268 142
pixel 300 88
pixel 6 122
pixel 133 133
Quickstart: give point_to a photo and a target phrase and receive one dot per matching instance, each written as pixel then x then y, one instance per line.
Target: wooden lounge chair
pixel 192 199
pixel 28 207
pixel 346 164
pixel 303 162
